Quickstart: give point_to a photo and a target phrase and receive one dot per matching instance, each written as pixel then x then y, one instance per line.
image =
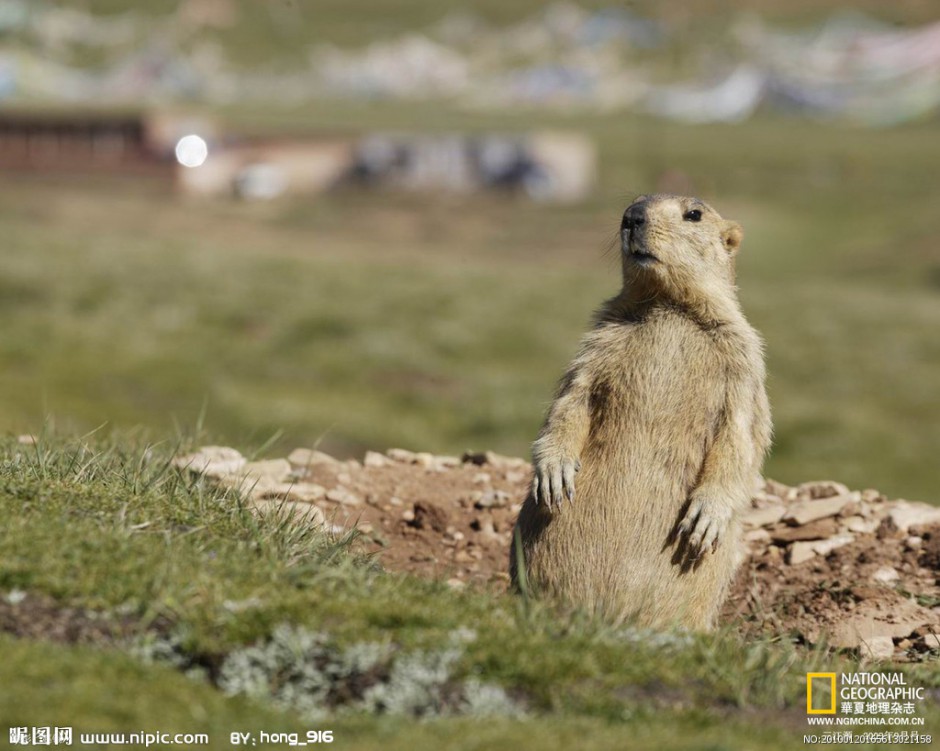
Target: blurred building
pixel 196 157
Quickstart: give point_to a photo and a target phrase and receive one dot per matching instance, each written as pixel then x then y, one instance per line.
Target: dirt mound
pixel 824 563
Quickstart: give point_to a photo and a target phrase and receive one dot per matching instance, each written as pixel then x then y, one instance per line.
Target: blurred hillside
pixel 370 319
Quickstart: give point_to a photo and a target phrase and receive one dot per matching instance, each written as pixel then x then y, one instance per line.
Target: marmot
pixel 650 450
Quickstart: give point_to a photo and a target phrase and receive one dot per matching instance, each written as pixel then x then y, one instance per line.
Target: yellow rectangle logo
pixel 831 678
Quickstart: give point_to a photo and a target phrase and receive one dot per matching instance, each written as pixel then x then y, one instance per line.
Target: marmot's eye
pixel 692 216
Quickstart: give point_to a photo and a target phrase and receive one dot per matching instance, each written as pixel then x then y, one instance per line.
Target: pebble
pixel 375 459
pixel 877 647
pixel 303 458
pixel 886 575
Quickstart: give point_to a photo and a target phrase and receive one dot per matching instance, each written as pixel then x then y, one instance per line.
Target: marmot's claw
pixel 553 482
pixel 704 525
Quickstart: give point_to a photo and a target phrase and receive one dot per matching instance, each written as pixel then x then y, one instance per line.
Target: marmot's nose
pixel 634 217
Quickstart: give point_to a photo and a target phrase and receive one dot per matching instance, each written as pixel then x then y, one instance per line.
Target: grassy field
pixel 188 578
pixel 363 320
pixel 368 319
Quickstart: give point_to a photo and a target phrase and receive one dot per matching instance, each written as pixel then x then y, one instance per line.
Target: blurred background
pixel 372 224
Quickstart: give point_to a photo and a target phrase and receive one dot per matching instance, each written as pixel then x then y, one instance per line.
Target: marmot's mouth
pixel 643 258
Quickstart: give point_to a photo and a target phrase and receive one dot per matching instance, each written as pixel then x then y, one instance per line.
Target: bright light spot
pixel 191 151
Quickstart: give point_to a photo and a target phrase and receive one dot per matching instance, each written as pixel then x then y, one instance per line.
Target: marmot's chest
pixel 661 381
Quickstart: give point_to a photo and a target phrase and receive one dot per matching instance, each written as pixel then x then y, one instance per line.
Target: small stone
pixel 886 575
pixel 906 514
pixel 365 527
pixel 772 487
pixel 395 501
pixel 757 536
pixel 304 458
pixel 800 552
pixel 809 511
pixel 932 641
pixel 913 542
pixel 276 470
pixel 821 489
pixel 27 439
pixel 824 547
pixel 344 478
pixel 212 461
pixel 860 525
pixel 763 517
pixel 817 530
pixel 877 648
pixel 456 583
pixel 462 556
pixel 401 455
pixel 305 492
pixel 446 462
pixel 493 499
pixel 408 515
pixel 424 459
pixel 870 495
pixel 341 495
pixel 375 459
pixel 482 478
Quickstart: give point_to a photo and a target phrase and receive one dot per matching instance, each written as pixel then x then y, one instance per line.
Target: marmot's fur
pixel 651 448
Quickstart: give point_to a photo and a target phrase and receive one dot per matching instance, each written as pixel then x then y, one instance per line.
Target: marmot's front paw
pixel 705 524
pixel 554 480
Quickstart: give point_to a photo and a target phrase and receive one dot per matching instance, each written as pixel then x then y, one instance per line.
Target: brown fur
pixel 659 428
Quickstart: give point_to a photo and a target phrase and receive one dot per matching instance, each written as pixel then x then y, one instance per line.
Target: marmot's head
pixel 678 242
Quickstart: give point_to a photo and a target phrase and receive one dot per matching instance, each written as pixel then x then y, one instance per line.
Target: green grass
pixel 106 526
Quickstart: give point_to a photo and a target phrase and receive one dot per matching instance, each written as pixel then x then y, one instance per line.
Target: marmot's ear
pixel 731 236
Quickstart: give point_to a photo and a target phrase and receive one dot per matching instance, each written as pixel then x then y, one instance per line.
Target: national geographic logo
pixel 821 693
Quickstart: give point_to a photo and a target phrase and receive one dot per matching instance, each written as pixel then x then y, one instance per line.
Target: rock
pixel 212 461
pixel 824 547
pixel 870 495
pixel 763 517
pixel 493 499
pixel 482 478
pixel 516 476
pixel 757 536
pixel 892 618
pixel 424 459
pixel 305 513
pixel 28 439
pixel 456 583
pixel 493 459
pixel 772 487
pixel 447 462
pixel 304 458
pixel 886 575
pixel 913 542
pixel 395 501
pixel 821 489
pixel 375 459
pixel 809 511
pixel 932 641
pixel 341 495
pixel 800 552
pixel 860 525
pixel 305 492
pixel 273 470
pixel 877 648
pixel 401 455
pixel 817 530
pixel 905 514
